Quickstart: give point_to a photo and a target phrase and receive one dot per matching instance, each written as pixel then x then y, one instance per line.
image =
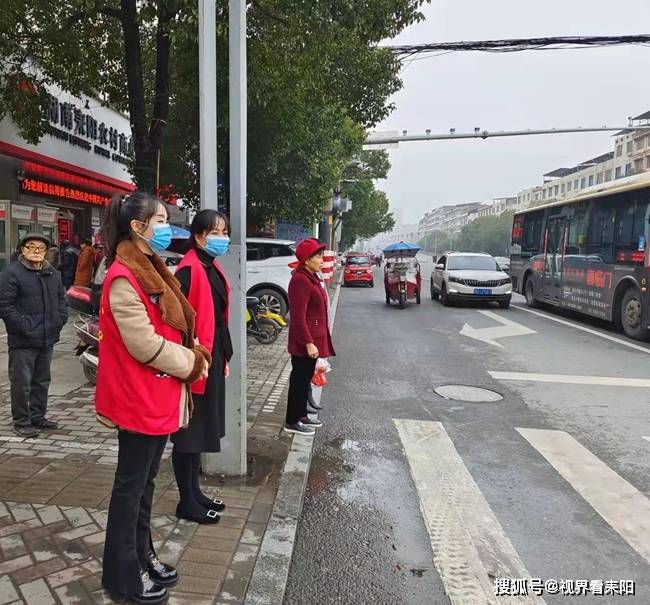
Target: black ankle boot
pixel 161 574
pixel 151 594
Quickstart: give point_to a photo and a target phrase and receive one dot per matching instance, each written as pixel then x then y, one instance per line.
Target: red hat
pixel 306 249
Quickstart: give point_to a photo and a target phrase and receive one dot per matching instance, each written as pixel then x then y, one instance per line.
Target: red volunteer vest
pixel 200 297
pixel 134 396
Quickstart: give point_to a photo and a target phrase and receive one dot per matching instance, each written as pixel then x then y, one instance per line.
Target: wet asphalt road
pixel 362 538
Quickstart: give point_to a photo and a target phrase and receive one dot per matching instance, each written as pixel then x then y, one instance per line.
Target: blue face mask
pixel 161 238
pixel 217 245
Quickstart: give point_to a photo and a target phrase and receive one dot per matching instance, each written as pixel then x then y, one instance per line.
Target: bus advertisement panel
pixel 589 254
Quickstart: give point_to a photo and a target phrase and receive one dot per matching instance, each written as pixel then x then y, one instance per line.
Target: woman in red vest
pixel 206 287
pixel 148 359
pixel 309 334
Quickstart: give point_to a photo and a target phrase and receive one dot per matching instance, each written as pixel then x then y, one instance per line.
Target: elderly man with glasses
pixel 33 307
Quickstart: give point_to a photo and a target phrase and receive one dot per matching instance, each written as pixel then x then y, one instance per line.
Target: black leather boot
pixel 160 573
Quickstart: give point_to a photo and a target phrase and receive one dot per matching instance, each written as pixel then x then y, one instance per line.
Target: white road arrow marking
pixel 490 335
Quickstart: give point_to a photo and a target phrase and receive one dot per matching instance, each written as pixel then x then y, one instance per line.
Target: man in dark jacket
pixel 68 264
pixel 33 307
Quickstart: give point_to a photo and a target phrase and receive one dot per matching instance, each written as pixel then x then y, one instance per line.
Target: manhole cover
pixel 459 392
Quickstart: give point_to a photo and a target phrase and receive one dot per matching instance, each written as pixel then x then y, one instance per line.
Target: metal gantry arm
pixel 394 138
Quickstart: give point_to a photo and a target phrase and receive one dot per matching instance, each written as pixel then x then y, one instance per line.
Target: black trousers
pixel 301 374
pixel 128 530
pixel 29 373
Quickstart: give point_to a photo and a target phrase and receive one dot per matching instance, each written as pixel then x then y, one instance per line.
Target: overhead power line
pixel 520 44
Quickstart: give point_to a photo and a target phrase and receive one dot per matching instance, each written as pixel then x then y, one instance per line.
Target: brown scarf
pixel 155 279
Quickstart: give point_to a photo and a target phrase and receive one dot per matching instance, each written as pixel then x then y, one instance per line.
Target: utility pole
pixel 208 103
pixel 232 458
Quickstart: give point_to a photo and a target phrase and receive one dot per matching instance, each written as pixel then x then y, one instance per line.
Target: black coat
pixel 208 423
pixel 68 265
pixel 32 305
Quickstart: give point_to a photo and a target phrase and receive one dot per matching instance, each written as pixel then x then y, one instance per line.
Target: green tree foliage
pixel 370 214
pixel 489 234
pixel 436 242
pixel 316 79
pixel 117 50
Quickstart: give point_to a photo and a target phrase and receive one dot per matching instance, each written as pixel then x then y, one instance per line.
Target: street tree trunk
pixel 147 134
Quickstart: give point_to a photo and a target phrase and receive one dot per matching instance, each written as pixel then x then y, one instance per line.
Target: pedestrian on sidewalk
pixel 33 307
pixel 85 265
pixel 309 334
pixel 205 285
pixel 68 264
pixel 148 359
pixel 52 256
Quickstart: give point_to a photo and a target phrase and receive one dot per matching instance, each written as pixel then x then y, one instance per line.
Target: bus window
pixel 601 231
pixel 577 232
pixel 631 230
pixel 532 233
pixel 526 234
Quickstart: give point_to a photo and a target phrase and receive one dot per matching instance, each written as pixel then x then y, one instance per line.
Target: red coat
pixel 309 317
pixel 135 396
pixel 200 297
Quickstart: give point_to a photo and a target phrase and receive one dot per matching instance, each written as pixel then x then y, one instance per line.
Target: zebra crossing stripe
pixel 623 506
pixel 470 548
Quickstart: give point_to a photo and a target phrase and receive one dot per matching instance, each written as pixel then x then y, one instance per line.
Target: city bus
pixel 589 254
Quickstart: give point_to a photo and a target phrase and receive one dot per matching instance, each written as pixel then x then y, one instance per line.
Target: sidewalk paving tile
pixel 55 489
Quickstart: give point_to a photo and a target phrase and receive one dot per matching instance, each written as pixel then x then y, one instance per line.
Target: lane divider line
pixel 577 326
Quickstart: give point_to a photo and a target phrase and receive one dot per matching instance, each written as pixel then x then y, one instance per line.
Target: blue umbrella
pixel 411 249
pixel 179 232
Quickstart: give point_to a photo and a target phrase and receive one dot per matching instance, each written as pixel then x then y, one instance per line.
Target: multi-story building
pixel 494 207
pixel 631 155
pixel 450 218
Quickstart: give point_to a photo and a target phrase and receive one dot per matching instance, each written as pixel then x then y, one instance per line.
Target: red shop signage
pixel 61 191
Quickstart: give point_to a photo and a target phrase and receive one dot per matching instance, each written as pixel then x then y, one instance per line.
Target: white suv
pixel 268 272
pixel 469 276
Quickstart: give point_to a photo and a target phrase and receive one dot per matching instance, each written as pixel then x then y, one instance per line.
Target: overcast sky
pixel 531 89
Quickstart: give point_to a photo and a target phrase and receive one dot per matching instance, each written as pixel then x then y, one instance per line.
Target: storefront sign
pixel 82 133
pixel 22 213
pixel 47 215
pixel 3 210
pixel 70 123
pixel 68 193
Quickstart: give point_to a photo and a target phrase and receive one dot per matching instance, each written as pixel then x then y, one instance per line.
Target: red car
pixel 358 270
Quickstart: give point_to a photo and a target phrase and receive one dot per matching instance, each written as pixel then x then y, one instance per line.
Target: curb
pixel 271 573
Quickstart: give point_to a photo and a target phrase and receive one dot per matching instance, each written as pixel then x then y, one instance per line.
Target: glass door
pixel 557 232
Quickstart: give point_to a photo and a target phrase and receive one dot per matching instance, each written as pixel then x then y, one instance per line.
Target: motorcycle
pixel 263 325
pixel 85 302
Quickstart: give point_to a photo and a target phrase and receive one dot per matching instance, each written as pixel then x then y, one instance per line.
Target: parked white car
pixel 268 272
pixel 468 276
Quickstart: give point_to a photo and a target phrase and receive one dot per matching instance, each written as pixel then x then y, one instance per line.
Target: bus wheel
pixel 529 292
pixel 632 315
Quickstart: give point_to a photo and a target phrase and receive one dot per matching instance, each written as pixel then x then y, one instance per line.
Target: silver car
pixel 469 276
